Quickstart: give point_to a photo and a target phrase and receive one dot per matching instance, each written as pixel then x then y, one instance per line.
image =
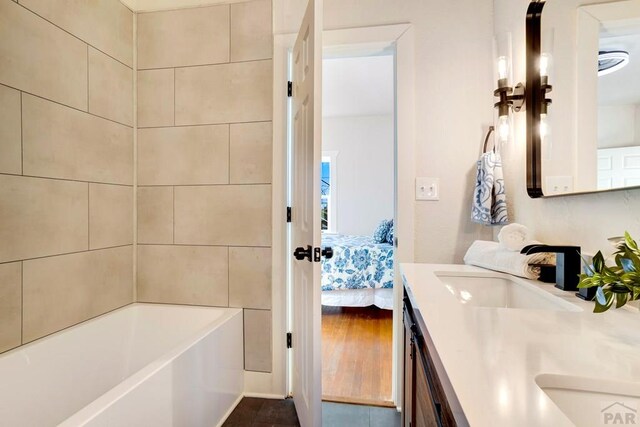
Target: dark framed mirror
pixel 583 96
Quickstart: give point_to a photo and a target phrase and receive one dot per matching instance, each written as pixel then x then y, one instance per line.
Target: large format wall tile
pixel 251 34
pixel 110 215
pixel 42 217
pixel 257 340
pixel 226 93
pixel 183 275
pixel 110 88
pixel 10 305
pixel 104 24
pixel 64 290
pixel 156 98
pixel 183 155
pixel 60 142
pixel 155 214
pixel 250 277
pixel 235 215
pixel 183 37
pixel 10 131
pixel 251 154
pixel 38 57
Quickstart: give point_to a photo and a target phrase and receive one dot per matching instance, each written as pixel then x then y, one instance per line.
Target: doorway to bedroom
pixel 357 205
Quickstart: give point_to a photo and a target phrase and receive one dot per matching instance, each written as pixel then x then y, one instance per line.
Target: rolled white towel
pixel 492 256
pixel 514 237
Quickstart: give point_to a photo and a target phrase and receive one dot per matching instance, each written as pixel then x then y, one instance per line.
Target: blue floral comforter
pixel 357 263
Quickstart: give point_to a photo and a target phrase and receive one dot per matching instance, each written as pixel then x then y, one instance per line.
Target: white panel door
pixel 305 224
pixel 618 167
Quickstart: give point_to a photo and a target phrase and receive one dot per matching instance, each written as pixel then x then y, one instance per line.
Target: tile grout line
pixel 21 302
pixel 66 105
pixel 207 124
pixel 228 276
pixel 68 253
pixel 230 20
pixel 71 180
pixel 134 113
pixel 88 84
pixel 72 35
pixel 21 136
pixel 173 191
pixel 207 65
pixel 240 184
pixel 174 97
pixel 205 245
pixel 88 216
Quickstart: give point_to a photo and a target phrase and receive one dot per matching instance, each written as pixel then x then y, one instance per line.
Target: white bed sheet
pixel 382 298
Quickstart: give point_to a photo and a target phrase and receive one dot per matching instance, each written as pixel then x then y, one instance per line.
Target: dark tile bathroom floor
pixel 280 413
pixel 252 411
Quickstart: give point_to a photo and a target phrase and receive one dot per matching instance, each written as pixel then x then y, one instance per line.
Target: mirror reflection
pixel 592 130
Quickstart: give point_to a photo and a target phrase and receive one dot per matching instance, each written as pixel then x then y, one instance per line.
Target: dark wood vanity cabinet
pixel 425 402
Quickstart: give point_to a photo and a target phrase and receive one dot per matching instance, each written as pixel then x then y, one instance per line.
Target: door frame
pixel 400 35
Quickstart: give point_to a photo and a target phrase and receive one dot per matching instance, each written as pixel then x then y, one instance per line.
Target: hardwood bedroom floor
pixel 356 355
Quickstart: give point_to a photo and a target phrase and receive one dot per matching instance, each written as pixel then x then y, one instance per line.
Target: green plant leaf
pixel 600 298
pixel 601 308
pixel 621 299
pixel 585 282
pixel 598 262
pixel 629 241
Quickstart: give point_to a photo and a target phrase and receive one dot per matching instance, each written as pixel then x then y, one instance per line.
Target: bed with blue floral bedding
pixel 360 273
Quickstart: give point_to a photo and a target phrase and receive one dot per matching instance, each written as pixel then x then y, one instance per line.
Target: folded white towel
pixel 491 256
pixel 514 237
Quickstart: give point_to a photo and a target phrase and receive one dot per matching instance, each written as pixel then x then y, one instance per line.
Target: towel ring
pixel 486 139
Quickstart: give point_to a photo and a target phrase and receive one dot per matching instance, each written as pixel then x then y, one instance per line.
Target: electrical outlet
pixel 558 185
pixel 427 188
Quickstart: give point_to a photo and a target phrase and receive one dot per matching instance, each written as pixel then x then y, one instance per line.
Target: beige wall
pixel 585 220
pixel 204 163
pixel 66 164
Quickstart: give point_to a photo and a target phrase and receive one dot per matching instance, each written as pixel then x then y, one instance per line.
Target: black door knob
pixel 301 253
pixel 327 252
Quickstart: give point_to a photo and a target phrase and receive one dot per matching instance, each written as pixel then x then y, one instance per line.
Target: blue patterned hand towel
pixel 489 198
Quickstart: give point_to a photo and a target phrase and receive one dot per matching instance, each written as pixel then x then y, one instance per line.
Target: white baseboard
pixel 265 395
pixel 226 415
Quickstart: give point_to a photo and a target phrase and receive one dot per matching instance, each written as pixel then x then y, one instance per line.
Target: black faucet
pixel 567 263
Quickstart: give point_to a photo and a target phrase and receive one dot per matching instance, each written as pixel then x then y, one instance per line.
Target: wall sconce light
pixel 544 66
pixel 509 98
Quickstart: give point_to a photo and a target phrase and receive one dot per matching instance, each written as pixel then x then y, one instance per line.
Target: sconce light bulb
pixel 503 67
pixel 544 64
pixel 544 126
pixel 503 128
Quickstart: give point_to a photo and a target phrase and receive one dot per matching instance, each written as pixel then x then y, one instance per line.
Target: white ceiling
pixel 362 86
pixel 622 86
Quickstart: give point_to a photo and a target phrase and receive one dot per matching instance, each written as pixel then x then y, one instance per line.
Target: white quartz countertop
pixel 492 356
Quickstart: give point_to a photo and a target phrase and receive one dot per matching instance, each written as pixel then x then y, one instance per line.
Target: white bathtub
pixel 141 365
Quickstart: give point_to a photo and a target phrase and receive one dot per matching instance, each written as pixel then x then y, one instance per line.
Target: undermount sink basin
pixel 593 402
pixel 501 291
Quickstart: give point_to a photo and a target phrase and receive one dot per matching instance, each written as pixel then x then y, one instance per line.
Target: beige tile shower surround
pixel 204 143
pixel 204 163
pixel 66 164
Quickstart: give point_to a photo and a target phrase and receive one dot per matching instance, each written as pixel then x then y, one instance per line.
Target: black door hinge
pixel 288 213
pixel 289 89
pixel 289 344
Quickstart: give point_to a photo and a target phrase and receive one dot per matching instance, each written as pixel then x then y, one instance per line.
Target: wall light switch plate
pixel 427 188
